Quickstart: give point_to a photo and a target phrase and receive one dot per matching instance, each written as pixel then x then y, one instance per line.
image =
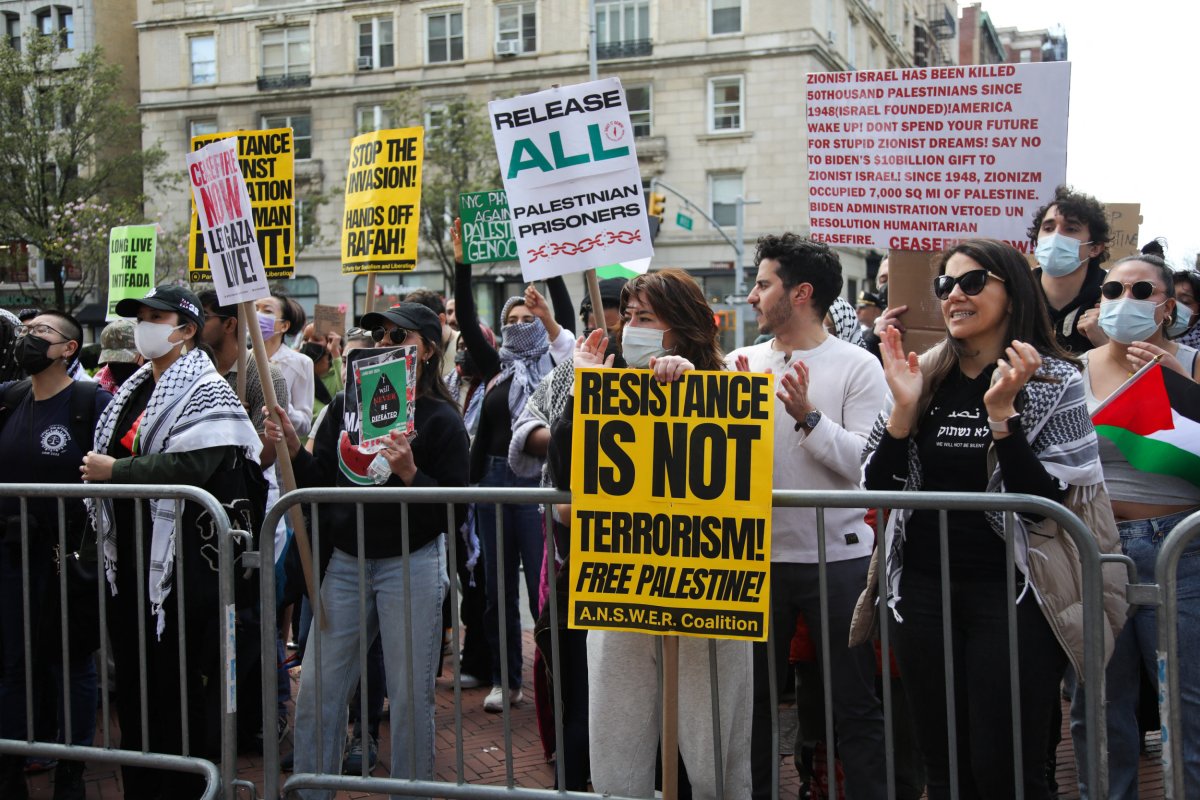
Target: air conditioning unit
pixel 509 47
pixel 366 62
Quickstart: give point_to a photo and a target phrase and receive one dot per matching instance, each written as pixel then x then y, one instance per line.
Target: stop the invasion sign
pixel 916 159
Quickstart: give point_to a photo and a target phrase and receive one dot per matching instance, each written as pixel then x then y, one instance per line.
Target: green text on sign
pixel 131 251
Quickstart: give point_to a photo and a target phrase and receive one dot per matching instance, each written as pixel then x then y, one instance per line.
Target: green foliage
pixel 71 160
pixel 460 156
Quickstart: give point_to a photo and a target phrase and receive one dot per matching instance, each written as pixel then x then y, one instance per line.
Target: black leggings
pixel 983 708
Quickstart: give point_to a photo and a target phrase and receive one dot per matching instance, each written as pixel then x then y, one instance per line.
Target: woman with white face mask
pixel 1137 306
pixel 669 329
pixel 175 421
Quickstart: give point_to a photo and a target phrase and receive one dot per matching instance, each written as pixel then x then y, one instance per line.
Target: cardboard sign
pixel 383 201
pixel 267 162
pixel 486 227
pixel 219 192
pixel 918 159
pixel 131 252
pixel 910 283
pixel 574 187
pixel 1125 223
pixel 329 319
pixel 671 503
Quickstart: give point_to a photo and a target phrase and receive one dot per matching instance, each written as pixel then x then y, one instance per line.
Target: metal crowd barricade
pixel 1008 504
pixel 1166 569
pixel 104 751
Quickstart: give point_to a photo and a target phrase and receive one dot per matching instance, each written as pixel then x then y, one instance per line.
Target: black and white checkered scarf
pixel 191 408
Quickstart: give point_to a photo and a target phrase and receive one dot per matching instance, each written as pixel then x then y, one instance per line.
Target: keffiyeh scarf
pixel 191 408
pixel 1056 422
pixel 524 357
pixel 845 322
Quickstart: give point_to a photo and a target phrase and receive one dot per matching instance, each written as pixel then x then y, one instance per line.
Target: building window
pixel 203 127
pixel 286 52
pixel 436 116
pixel 374 118
pixel 376 44
pixel 58 20
pixel 637 99
pixel 1026 56
pixel 851 42
pixel 516 28
pixel 444 37
pixel 725 16
pixel 723 191
pixel 12 29
pixel 725 104
pixel 203 52
pixel 622 28
pixel 301 125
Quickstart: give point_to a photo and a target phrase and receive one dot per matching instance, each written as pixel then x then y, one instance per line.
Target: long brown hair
pixel 678 301
pixel 1028 319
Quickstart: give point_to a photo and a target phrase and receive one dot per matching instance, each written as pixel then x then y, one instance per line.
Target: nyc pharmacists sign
pixel 571 173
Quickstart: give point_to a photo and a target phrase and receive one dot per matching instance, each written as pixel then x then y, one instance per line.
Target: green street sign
pixel 683 221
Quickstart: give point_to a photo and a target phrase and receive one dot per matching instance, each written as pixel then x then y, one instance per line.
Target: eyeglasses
pixel 1141 290
pixel 971 283
pixel 396 335
pixel 39 330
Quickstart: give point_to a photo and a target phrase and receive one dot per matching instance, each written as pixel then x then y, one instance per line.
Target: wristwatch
pixel 810 421
pixel 1009 425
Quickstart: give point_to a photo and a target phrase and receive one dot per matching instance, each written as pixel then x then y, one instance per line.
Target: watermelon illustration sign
pixel 571 173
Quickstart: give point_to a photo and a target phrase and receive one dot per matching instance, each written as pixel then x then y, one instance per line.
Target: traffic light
pixel 656 205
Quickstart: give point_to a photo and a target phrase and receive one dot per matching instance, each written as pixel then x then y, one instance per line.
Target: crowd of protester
pixel 1028 354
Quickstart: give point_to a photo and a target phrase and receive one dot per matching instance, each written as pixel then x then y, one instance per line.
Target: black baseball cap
pixel 412 316
pixel 166 298
pixel 610 295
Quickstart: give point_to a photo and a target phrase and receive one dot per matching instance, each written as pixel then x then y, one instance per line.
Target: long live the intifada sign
pixel 267 161
pixel 671 503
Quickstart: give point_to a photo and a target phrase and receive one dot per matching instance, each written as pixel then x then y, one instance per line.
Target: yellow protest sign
pixel 267 161
pixel 383 201
pixel 671 503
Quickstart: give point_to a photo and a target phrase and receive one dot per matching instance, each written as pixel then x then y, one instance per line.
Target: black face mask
pixel 314 350
pixel 466 363
pixel 121 370
pixel 31 355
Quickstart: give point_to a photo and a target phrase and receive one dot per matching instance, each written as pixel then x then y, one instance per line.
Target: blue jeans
pixel 1142 540
pixel 524 542
pixel 321 750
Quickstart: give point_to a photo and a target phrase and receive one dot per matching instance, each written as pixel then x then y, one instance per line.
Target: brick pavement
pixel 484 754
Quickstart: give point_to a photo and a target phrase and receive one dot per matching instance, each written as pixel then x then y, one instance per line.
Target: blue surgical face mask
pixel 639 345
pixel 1058 255
pixel 1128 320
pixel 1183 316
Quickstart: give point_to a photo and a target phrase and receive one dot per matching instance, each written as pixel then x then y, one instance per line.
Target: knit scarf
pixel 1056 422
pixel 525 358
pixel 190 408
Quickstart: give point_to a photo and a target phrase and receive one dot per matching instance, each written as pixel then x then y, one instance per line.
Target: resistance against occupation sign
pixel 571 173
pixel 219 191
pixel 671 503
pixel 267 163
pixel 917 159
pixel 383 201
pixel 486 227
pixel 131 252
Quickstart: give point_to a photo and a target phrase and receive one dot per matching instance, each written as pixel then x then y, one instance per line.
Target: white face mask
pixel 151 338
pixel 639 345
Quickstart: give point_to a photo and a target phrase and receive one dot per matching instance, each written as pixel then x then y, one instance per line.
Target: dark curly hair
pixel 1081 207
pixel 802 260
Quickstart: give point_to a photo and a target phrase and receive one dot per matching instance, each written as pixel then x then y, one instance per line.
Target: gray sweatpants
pixel 625 710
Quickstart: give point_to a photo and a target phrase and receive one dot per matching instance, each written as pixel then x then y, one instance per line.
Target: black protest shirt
pixel 952 444
pixel 39 446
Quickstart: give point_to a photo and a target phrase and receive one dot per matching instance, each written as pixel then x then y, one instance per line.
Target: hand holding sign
pixel 400 457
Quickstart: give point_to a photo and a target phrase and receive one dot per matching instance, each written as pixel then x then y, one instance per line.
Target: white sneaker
pixel 494 703
pixel 469 681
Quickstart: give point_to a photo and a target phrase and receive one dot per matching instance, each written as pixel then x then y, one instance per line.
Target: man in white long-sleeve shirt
pixel 829 393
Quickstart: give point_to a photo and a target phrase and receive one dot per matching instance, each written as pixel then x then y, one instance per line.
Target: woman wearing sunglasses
pixel 1137 305
pixel 997 406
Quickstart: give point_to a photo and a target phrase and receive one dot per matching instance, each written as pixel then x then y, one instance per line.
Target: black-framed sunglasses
pixel 1141 290
pixel 396 335
pixel 971 283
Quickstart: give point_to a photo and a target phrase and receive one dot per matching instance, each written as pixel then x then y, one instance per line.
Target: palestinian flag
pixel 1154 420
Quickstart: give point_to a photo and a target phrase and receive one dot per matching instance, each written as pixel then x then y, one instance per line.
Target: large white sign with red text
pixel 916 159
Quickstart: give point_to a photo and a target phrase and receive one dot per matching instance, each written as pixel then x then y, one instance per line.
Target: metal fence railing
pixel 28 554
pixel 1170 708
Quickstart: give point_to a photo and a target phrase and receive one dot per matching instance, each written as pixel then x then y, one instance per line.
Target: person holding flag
pixel 1145 405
